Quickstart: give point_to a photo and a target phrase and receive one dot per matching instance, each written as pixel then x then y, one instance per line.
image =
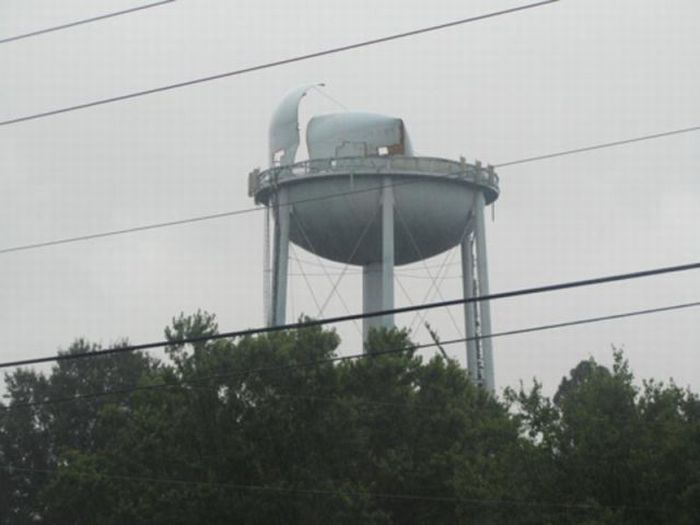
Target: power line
pixel 201 218
pixel 275 63
pixel 351 317
pixel 85 21
pixel 598 146
pixel 421 346
pixel 122 231
pixel 280 490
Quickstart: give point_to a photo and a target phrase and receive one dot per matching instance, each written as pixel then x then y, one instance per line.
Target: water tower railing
pixel 477 174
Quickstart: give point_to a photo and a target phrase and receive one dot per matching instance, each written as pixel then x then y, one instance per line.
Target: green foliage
pixel 268 429
pixel 630 455
pixel 36 436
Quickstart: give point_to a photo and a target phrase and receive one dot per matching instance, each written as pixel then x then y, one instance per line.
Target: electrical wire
pixel 200 381
pixel 329 492
pixel 266 488
pixel 275 63
pixel 213 216
pixel 403 349
pixel 363 315
pixel 598 146
pixel 85 21
pixel 178 222
pixel 344 318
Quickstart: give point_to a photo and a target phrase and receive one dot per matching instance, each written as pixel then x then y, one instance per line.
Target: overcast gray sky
pixel 566 75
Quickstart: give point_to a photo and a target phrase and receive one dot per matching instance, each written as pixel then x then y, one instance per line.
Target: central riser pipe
pixel 378 277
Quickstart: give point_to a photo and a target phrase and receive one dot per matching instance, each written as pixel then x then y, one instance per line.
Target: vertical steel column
pixel 387 251
pixel 371 296
pixel 266 268
pixel 483 278
pixel 281 260
pixel 378 277
pixel 469 291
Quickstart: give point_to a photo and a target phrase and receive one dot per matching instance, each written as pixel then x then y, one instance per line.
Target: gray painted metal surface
pixel 281 258
pixel 378 276
pixel 344 202
pixel 267 270
pixel 484 308
pixel 338 135
pixel 333 226
pixel 470 290
pixel 284 128
pixel 335 204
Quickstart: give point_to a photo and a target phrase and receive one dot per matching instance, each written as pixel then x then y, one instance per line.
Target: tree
pixel 277 428
pixel 40 424
pixel 301 439
pixel 630 456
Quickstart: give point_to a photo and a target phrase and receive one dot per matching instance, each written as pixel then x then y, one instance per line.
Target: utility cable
pixel 85 21
pixel 275 63
pixel 213 216
pixel 201 380
pixel 344 318
pixel 296 491
pixel 598 146
pixel 189 220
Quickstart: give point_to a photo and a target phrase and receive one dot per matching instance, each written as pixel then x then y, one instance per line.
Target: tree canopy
pixel 273 429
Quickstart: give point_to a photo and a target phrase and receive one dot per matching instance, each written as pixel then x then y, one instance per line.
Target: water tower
pixel 363 198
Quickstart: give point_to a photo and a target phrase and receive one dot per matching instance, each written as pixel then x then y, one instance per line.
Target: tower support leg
pixel 371 296
pixel 378 277
pixel 267 271
pixel 469 290
pixel 278 306
pixel 483 284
